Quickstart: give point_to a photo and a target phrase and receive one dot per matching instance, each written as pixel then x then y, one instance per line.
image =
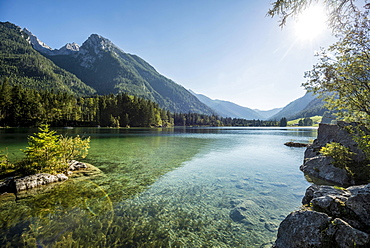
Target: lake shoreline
pixel 331 216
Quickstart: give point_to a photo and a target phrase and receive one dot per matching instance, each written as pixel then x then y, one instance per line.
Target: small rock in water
pixel 272 227
pixel 76 165
pixel 279 184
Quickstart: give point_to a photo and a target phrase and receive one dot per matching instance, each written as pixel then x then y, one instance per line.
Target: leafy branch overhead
pixel 340 13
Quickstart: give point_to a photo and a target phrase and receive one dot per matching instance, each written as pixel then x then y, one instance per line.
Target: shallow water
pixel 164 188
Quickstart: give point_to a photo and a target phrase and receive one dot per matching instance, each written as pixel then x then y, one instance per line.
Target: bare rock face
pixel 302 229
pixel 334 133
pixel 338 217
pixel 319 166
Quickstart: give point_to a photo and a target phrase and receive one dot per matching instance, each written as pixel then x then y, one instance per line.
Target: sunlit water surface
pixel 163 188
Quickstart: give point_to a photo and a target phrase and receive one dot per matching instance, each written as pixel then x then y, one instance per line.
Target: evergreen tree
pixel 283 122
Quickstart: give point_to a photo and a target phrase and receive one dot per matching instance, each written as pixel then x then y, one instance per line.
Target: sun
pixel 311 23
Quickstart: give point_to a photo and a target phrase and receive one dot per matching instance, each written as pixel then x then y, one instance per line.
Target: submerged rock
pixel 245 212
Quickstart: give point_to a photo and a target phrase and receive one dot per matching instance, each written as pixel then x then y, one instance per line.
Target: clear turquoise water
pixel 163 188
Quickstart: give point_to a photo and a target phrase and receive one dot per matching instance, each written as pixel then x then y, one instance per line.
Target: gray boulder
pixel 318 166
pixel 302 229
pixel 321 167
pixel 335 217
pixel 15 185
pixel 76 165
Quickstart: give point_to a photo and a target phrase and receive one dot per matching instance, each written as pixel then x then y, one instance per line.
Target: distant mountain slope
pixel 229 109
pixel 108 69
pixel 306 106
pixel 266 114
pixel 315 107
pixel 23 65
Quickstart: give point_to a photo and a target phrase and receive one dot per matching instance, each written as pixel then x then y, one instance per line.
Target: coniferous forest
pixel 25 107
pixel 20 106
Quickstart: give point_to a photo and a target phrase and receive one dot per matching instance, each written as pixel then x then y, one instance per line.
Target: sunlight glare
pixel 311 23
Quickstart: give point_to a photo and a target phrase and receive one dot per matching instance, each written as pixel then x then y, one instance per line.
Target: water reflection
pixel 231 188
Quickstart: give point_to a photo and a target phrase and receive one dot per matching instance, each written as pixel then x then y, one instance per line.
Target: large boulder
pixel 334 133
pixel 318 166
pixel 302 229
pixel 322 167
pixel 15 185
pixel 334 217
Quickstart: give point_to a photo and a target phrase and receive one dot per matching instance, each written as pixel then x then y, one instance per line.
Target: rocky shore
pixel 331 216
pixel 17 184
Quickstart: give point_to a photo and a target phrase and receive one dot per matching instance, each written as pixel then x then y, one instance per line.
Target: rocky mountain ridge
pixel 21 64
pixel 108 69
pixel 45 49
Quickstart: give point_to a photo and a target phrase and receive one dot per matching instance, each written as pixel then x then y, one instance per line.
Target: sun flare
pixel 311 23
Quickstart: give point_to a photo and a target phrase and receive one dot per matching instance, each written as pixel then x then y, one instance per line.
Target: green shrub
pixel 5 165
pixel 49 152
pixel 342 155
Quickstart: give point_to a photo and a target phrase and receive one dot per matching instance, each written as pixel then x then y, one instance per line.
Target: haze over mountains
pixel 230 109
pixel 100 67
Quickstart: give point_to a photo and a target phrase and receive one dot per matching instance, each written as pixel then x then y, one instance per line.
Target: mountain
pixel 229 109
pixel 306 106
pixel 23 65
pixel 108 69
pixel 266 114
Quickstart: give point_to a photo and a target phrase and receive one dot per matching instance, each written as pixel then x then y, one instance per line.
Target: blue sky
pixel 224 49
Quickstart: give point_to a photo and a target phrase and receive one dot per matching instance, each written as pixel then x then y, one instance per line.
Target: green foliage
pixel 283 122
pixel 342 155
pixel 29 68
pixel 343 71
pixel 20 106
pixel 49 152
pixel 311 121
pixel 4 162
pixel 362 137
pixel 73 148
pixel 194 119
pixel 340 12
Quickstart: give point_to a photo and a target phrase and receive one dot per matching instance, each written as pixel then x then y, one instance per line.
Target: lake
pixel 170 187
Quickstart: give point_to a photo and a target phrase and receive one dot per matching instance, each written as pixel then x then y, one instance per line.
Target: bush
pixel 342 155
pixel 49 152
pixel 4 162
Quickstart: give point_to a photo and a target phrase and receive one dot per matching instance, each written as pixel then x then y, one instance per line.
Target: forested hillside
pixel 105 67
pixel 306 106
pixel 27 67
pixel 20 106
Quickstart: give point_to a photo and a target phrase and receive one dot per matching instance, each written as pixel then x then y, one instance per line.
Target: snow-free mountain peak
pixel 99 43
pixel 45 49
